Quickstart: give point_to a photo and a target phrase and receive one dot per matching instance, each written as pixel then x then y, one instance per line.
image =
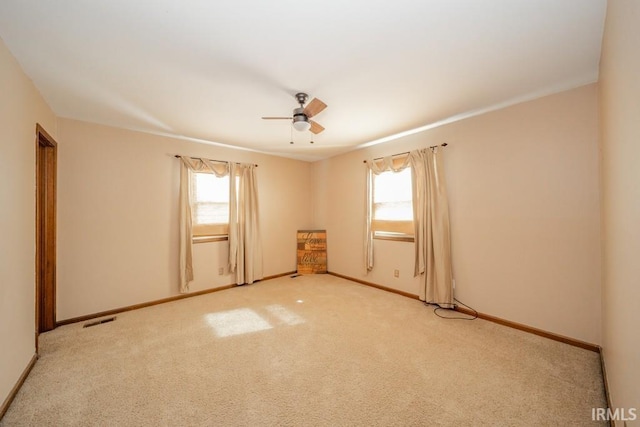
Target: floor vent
pixel 99 322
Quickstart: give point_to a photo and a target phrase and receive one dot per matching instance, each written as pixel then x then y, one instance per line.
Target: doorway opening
pixel 46 182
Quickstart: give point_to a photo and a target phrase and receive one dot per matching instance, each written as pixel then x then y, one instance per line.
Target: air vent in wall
pixel 99 322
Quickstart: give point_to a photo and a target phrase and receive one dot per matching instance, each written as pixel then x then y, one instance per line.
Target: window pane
pixel 210 188
pixel 392 186
pixel 394 211
pixel 392 196
pixel 211 213
pixel 210 199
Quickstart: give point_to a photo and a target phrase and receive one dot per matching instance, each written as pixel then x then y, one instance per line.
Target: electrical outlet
pixel 220 271
pixel 396 273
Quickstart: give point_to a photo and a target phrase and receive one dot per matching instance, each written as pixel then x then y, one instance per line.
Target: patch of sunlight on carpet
pixel 236 322
pixel 285 316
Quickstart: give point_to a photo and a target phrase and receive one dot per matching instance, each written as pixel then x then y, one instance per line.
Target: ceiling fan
pixel 302 115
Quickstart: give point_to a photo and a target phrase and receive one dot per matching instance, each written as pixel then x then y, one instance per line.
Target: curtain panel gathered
pixel 245 247
pixel 432 238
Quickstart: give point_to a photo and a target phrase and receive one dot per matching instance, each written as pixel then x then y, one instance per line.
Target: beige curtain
pixel 187 167
pixel 376 167
pixel 432 238
pixel 245 245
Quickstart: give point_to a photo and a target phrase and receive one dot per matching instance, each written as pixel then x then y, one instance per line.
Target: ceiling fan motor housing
pixel 300 120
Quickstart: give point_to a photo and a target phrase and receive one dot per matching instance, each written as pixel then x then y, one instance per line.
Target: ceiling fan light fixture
pixel 300 121
pixel 301 125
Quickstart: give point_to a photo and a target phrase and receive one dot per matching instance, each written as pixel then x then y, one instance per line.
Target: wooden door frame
pixel 46 184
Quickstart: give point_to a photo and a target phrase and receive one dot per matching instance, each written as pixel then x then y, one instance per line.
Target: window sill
pixel 396 238
pixel 207 239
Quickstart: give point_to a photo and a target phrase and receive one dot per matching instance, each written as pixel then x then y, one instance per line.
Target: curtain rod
pixel 177 156
pixel 444 144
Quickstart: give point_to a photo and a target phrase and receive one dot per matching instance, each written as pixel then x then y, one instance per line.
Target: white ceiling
pixel 210 69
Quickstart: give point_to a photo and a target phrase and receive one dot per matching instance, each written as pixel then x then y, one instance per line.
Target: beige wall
pixel 118 217
pixel 620 113
pixel 21 106
pixel 524 203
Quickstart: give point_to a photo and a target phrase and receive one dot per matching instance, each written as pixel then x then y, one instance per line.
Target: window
pixel 210 205
pixel 392 209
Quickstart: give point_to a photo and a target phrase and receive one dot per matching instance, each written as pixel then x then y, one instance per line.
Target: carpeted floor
pixel 314 351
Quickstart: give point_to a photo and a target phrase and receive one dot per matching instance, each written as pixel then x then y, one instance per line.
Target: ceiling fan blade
pixel 277 118
pixel 315 127
pixel 314 107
